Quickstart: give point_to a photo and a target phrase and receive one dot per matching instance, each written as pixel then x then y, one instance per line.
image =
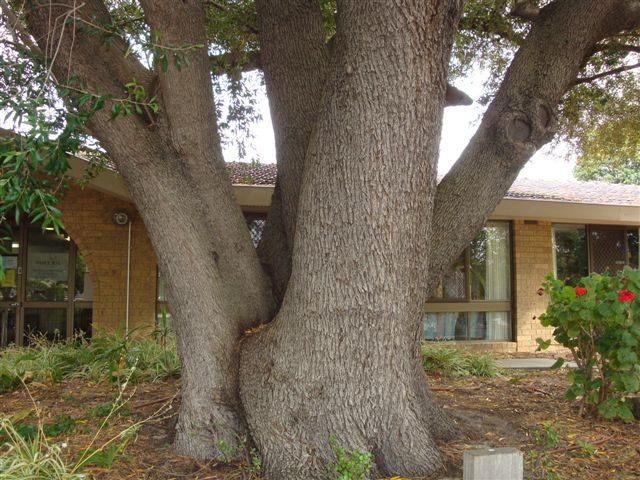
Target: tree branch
pixel 608 73
pixel 525 9
pixel 235 62
pixel 14 25
pixel 519 120
pixel 603 47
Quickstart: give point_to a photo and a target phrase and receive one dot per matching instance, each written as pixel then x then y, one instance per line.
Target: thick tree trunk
pixel 295 61
pixel 342 357
pixel 174 170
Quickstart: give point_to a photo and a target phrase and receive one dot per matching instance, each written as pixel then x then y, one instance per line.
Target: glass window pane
pixel 50 322
pixel 452 286
pixel 9 279
pixel 440 326
pixel 161 288
pixel 570 253
pixel 498 326
pixel 7 326
pixel 47 266
pixel 255 226
pixel 609 249
pixel 490 273
pixel 493 326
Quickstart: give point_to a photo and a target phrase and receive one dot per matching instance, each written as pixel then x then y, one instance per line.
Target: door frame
pixel 20 305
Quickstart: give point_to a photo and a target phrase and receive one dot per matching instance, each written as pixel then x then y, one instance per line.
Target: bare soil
pixel 522 409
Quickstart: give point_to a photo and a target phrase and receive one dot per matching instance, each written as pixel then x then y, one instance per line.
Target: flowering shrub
pixel 599 322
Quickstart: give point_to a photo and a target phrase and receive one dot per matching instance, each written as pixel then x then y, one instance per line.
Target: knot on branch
pixel 530 126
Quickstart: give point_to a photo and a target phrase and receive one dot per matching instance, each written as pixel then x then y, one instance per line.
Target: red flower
pixel 625 296
pixel 580 291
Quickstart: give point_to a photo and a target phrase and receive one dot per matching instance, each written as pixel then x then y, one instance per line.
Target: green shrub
pixel 599 322
pixel 109 357
pixel 446 360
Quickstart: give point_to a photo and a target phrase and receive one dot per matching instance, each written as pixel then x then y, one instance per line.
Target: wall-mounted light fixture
pixel 120 218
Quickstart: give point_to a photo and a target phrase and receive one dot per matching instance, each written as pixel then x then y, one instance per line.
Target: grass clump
pixel 25 458
pixel 449 361
pixel 111 357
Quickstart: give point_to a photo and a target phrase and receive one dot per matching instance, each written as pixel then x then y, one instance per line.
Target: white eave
pixel 566 212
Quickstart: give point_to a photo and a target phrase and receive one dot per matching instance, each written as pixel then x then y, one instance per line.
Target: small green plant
pixel 599 322
pixel 447 360
pixel 351 464
pixel 108 409
pixel 539 460
pixel 226 452
pixel 546 435
pixel 251 463
pixel 254 464
pixel 586 448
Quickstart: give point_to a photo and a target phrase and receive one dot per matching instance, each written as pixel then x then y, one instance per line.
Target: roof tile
pixel 599 193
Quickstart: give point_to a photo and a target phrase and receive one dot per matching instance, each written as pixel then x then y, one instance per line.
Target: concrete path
pixel 530 363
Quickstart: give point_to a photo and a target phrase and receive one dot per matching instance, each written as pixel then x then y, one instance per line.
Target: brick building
pixel 101 274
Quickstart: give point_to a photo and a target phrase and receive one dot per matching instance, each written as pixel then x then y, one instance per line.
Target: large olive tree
pixel 359 230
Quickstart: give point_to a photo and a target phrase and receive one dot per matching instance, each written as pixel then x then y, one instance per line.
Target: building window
pixel 255 224
pixel 473 301
pixel 581 249
pixel 570 252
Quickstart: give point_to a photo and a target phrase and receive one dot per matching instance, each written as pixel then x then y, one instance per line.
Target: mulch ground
pixel 522 409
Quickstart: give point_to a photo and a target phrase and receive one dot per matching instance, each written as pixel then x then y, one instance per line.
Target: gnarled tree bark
pixel 342 356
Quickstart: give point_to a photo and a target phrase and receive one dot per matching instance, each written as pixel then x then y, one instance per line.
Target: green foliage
pixel 114 358
pixel 540 459
pixel 351 464
pixel 446 360
pixel 28 457
pixel 599 116
pixel 250 465
pixel 604 123
pixel 546 435
pixel 487 38
pixel 61 424
pixel 599 322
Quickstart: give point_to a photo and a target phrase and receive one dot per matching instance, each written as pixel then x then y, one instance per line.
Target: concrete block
pixel 493 464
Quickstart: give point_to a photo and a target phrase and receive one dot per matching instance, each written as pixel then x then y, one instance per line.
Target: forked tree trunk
pixel 342 357
pixel 174 170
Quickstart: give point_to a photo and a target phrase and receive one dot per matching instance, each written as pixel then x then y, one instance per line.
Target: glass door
pixel 46 287
pixel 9 291
pixel 47 284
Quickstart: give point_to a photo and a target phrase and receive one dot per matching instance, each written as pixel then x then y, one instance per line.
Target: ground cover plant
pixel 108 356
pixel 79 415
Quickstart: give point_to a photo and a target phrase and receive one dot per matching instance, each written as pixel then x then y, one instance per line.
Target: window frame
pixel 469 305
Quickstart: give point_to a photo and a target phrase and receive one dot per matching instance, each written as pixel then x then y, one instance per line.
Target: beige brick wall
pixel 87 216
pixel 533 253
